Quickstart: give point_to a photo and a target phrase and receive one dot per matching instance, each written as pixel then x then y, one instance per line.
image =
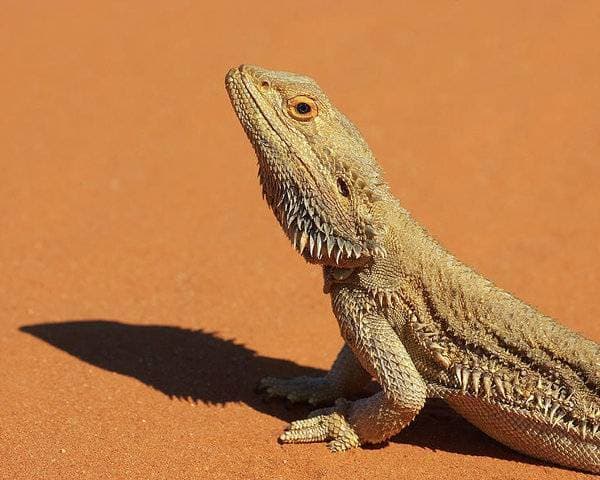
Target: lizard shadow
pixel 195 365
pixel 200 366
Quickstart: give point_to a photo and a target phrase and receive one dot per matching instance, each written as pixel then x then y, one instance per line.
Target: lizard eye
pixel 302 108
pixel 343 187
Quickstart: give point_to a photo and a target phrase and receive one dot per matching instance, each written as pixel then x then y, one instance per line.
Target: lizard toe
pixel 330 426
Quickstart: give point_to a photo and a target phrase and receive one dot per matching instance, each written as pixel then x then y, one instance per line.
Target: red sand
pixel 129 204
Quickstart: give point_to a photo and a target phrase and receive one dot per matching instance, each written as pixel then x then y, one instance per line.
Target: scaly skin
pixel 412 316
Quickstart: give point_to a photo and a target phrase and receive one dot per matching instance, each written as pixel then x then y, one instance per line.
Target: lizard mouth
pixel 297 211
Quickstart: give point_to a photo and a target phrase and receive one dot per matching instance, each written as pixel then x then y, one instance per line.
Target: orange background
pixel 129 203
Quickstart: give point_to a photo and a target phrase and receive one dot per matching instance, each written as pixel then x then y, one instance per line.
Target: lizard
pixel 413 317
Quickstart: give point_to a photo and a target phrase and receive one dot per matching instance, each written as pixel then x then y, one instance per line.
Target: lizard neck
pixel 428 276
pixel 422 273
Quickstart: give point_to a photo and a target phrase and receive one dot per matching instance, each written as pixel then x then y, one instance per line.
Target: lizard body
pixel 412 316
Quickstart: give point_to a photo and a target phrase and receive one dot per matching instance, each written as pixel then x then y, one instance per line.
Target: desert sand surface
pixel 145 285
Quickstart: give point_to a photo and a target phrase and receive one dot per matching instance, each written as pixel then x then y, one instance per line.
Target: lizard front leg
pixel 376 418
pixel 345 378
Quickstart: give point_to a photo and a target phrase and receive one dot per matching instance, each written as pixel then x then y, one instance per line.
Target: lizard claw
pixel 312 390
pixel 322 425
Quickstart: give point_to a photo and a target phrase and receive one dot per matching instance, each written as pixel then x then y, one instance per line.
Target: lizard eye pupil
pixel 343 187
pixel 303 108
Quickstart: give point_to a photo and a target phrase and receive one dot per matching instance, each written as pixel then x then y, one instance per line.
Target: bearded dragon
pixel 413 317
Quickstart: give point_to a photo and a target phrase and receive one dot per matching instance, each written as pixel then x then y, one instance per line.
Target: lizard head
pixel 317 173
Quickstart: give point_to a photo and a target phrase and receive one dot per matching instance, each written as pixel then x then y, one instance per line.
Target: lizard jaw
pixel 296 209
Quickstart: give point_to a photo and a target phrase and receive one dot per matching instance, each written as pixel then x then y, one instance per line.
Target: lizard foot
pixel 313 390
pixel 327 424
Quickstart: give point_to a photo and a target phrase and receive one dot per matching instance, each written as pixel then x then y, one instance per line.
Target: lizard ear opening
pixel 343 187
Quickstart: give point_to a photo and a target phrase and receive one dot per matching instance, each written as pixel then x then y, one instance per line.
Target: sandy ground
pixel 146 287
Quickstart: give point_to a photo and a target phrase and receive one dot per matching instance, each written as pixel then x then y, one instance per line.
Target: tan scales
pixel 413 317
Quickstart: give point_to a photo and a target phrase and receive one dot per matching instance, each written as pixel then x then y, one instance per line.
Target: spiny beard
pixel 302 220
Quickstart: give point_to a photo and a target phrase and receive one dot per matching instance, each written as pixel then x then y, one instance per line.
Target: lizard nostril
pixel 265 85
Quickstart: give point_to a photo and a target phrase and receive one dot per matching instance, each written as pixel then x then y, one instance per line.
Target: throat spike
pixel 303 240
